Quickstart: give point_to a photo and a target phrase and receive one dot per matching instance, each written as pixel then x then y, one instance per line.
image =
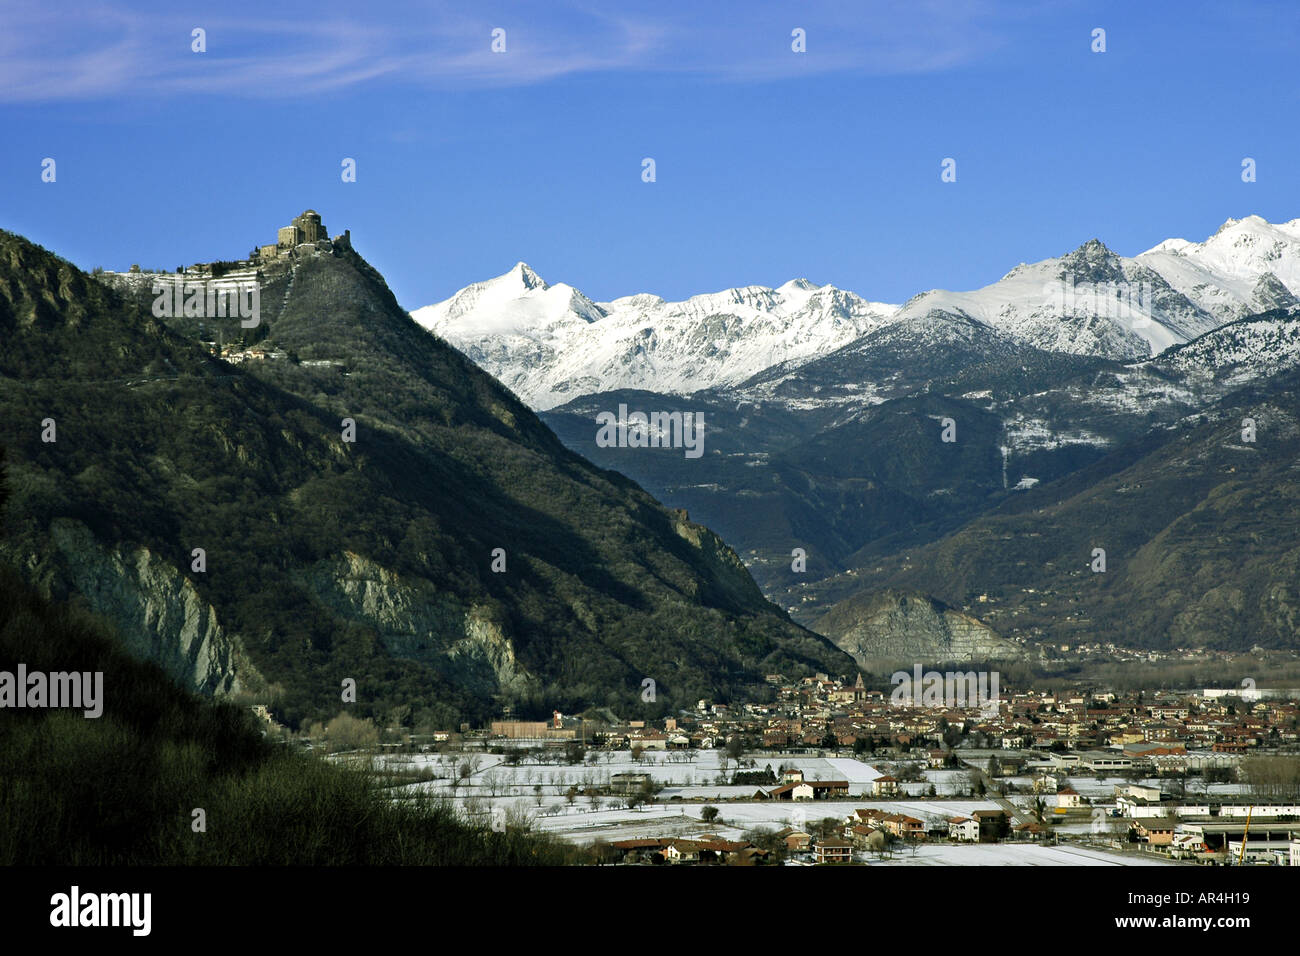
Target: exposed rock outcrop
pixel 416 621
pixel 904 626
pixel 159 614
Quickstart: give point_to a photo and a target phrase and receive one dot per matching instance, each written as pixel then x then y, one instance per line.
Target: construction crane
pixel 1244 834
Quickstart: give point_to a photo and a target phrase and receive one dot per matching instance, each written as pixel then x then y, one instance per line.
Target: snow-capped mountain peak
pixel 551 343
pixel 1222 274
pixel 517 302
pixel 1097 302
pixel 1170 245
pixel 796 285
pixel 525 276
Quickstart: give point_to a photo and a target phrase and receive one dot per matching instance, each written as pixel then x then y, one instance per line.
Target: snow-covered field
pixel 1013 854
pixel 1103 791
pixel 686 770
pixel 945 783
pixel 553 798
pixel 660 819
pixel 580 824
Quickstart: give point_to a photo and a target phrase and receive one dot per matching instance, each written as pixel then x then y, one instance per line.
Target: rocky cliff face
pixel 162 617
pixel 903 626
pixel 159 614
pixel 466 644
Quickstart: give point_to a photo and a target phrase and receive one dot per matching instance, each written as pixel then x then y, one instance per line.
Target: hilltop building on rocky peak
pixel 307 229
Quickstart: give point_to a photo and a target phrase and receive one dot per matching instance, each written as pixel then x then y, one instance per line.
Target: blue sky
pixel 770 164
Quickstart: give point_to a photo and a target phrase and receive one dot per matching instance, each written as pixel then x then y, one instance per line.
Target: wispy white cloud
pixel 102 50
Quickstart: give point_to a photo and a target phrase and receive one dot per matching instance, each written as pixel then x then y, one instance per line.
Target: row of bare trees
pixel 1274 777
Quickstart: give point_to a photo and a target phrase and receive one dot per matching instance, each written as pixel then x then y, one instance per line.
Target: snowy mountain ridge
pixel 551 343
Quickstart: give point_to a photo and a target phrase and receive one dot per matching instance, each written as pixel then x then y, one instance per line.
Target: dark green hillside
pixel 873 476
pixel 1198 528
pixel 371 560
pixel 120 789
pixel 887 471
pixel 835 455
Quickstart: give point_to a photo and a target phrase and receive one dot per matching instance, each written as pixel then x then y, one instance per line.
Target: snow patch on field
pixel 1013 854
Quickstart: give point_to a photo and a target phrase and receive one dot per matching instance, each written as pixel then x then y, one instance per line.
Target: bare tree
pixel 468 767
pixel 1273 776
pixel 346 732
pixel 518 818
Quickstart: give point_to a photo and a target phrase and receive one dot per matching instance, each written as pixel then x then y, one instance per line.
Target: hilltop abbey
pixel 306 229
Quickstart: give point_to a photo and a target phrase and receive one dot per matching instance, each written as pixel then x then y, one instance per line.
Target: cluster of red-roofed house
pixel 703 849
pixel 793 786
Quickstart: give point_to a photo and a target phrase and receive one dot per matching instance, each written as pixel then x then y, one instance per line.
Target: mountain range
pixel 551 343
pixel 1070 384
pixel 336 494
